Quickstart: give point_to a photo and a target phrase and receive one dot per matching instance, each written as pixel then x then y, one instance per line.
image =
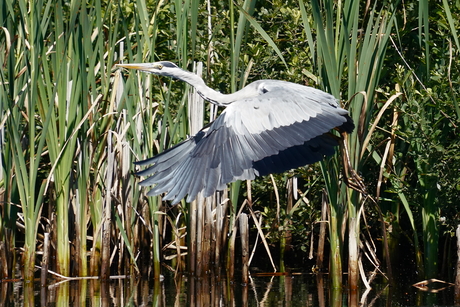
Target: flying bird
pixel 269 126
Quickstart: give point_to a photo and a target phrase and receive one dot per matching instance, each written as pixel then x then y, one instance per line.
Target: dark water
pixel 290 290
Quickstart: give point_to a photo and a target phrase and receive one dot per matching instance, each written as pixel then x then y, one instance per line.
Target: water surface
pixel 262 290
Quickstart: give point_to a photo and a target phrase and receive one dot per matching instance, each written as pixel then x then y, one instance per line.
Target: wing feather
pixel 212 180
pixel 293 157
pixel 185 177
pixel 198 183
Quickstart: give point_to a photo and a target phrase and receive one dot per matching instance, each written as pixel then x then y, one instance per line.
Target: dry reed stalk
pixel 244 233
pixel 105 266
pixel 191 230
pixel 3 260
pixel 207 235
pixel 457 269
pixel 45 260
pixel 197 207
pixel 126 189
pixel 244 296
pixel 292 191
pixel 353 253
pixel 199 235
pixel 286 238
pixel 231 255
pixel 217 230
pixel 225 225
pixel 288 289
pixel 322 232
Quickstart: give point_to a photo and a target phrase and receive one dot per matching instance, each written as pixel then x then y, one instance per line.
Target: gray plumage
pixel 269 126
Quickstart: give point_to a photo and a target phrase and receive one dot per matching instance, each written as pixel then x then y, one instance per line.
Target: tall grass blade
pixel 339 44
pixel 246 14
pixel 453 30
pixel 424 31
pixel 26 144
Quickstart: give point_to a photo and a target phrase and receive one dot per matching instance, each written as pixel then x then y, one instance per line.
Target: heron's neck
pixel 205 92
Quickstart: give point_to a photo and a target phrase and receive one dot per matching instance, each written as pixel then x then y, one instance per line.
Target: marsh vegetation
pixel 72 125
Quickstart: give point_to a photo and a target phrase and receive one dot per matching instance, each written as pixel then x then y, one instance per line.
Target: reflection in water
pixel 214 290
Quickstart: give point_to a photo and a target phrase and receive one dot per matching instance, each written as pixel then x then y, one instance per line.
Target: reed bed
pixel 72 125
pixel 363 53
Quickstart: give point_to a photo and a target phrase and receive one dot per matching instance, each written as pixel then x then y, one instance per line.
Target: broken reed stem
pixel 199 235
pixel 457 276
pixel 231 255
pixel 3 259
pixel 207 235
pixel 67 278
pixel 286 238
pixel 217 228
pixel 244 233
pixel 45 260
pixel 322 232
pixel 191 249
pixel 196 254
pixel 107 220
pixel 222 224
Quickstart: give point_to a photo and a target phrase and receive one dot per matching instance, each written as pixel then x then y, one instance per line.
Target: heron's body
pixel 269 126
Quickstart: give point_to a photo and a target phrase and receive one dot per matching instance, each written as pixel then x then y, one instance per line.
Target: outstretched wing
pixel 284 127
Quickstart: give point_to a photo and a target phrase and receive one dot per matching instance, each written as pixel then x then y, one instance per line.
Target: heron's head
pixel 163 68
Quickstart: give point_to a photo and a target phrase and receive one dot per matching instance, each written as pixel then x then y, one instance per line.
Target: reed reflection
pixel 269 289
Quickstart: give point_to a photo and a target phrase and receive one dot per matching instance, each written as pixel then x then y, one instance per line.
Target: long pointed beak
pixel 138 66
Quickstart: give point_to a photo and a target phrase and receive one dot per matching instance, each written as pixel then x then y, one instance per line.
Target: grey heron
pixel 269 126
